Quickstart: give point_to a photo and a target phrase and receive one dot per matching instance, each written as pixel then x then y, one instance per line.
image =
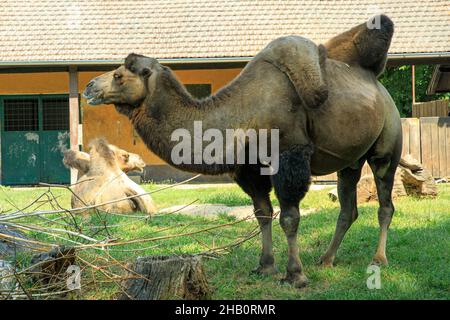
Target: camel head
pixel 127 161
pixel 127 85
pixel 120 86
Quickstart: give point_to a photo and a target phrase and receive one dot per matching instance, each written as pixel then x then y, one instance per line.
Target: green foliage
pixel 397 81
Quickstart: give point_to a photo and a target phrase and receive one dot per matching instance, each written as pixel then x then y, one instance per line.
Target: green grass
pixel 418 245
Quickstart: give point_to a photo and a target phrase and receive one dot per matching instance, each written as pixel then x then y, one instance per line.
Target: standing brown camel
pixel 331 112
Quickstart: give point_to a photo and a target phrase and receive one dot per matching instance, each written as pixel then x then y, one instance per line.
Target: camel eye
pixel 117 76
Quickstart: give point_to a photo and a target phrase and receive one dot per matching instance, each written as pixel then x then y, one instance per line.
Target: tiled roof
pixel 63 30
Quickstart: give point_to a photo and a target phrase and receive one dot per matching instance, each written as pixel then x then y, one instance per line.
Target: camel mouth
pixel 93 98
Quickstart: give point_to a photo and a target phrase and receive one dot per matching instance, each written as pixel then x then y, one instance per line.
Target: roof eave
pixel 395 58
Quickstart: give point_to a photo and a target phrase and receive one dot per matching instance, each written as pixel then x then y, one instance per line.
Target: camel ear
pixel 304 64
pixel 146 72
pixel 140 64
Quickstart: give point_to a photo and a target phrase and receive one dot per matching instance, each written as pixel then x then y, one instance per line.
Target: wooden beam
pixel 74 115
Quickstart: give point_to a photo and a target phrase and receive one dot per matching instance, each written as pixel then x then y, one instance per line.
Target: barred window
pixel 55 113
pixel 21 114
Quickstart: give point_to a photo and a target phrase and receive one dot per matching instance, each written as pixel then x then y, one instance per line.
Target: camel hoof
pixel 379 261
pixel 326 263
pixel 298 280
pixel 265 270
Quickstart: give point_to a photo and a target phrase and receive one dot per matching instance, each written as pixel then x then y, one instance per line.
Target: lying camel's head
pixel 127 161
pixel 125 85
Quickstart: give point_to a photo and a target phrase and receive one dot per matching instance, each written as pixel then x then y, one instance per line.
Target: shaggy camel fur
pixel 331 112
pixel 103 179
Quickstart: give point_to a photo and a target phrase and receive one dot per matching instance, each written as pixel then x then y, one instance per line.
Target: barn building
pixel 51 49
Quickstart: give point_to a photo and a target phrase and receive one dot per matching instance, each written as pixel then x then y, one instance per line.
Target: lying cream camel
pixel 102 178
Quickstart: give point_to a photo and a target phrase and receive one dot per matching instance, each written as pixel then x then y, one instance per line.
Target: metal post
pixel 74 115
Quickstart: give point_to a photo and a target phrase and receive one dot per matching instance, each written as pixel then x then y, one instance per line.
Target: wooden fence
pixel 427 140
pixel 437 108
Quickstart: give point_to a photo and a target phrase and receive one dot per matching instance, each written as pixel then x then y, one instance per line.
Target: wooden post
pixel 413 84
pixel 74 115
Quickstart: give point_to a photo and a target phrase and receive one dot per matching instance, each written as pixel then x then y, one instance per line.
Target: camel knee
pixel 385 214
pixel 347 220
pixel 289 221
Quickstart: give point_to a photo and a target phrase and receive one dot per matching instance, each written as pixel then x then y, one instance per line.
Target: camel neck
pixel 171 107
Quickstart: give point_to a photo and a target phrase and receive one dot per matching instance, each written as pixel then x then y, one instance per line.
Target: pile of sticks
pixel 60 244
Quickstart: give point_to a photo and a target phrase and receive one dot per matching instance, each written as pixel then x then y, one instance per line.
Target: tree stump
pixel 9 247
pixel 8 282
pixel 416 179
pixel 166 277
pixel 411 178
pixel 49 269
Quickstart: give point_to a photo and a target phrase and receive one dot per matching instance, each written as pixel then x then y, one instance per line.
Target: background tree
pixel 397 81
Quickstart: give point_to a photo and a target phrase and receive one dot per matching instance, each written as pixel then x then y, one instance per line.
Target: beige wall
pixel 104 121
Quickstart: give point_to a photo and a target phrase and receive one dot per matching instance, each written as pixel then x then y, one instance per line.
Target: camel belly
pixel 347 125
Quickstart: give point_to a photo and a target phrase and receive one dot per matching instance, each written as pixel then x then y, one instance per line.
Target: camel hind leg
pixel 384 165
pixel 384 182
pixel 347 182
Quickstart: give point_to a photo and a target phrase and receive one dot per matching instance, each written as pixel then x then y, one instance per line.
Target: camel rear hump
pixel 366 44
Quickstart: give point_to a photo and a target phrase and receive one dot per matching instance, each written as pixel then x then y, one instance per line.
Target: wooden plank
pixel 435 148
pixel 417 112
pixel 406 133
pixel 73 115
pixel 439 108
pixel 414 139
pixel 425 142
pixel 442 150
pixel 447 138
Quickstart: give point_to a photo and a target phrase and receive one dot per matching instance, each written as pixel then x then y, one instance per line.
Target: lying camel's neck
pixel 171 107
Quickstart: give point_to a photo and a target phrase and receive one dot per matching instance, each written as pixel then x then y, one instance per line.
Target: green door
pixel 55 139
pixel 34 134
pixel 20 141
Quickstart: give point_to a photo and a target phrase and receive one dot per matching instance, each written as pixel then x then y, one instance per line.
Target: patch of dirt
pixel 212 210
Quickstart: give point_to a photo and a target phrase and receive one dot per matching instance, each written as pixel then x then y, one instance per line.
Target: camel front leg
pixel 291 184
pixel 258 187
pixel 264 215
